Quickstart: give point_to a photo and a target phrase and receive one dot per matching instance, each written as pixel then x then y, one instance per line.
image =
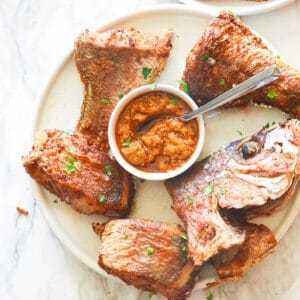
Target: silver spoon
pixel 255 82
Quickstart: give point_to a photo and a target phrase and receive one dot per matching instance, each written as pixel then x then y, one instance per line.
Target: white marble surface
pixel 35 35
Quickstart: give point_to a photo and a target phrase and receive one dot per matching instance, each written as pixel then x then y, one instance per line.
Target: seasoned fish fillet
pixel 79 173
pixel 149 255
pixel 246 173
pixel 259 243
pixel 110 65
pixel 229 53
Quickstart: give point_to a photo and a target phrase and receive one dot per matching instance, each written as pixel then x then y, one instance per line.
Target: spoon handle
pixel 268 75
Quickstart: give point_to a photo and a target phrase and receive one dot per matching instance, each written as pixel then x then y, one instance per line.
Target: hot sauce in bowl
pixel 165 149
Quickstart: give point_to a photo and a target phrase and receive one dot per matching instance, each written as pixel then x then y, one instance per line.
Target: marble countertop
pixel 34 265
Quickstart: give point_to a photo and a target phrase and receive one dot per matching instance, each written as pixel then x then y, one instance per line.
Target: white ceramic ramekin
pixel 112 132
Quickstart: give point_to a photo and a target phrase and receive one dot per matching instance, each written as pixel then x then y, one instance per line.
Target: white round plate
pixel 60 105
pixel 239 7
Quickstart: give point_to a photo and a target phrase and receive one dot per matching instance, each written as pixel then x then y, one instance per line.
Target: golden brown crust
pixel 82 188
pixel 259 243
pixel 236 54
pixel 123 253
pixel 111 64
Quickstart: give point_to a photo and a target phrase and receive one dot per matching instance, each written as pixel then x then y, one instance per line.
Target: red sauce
pixel 168 144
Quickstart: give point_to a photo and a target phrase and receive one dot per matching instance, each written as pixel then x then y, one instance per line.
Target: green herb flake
pixel 175 238
pixel 272 94
pixel 239 132
pixel 183 247
pixel 70 168
pixel 267 125
pixel 209 189
pixel 127 142
pixel 223 192
pixel 55 201
pixel 153 86
pixel 146 72
pixel 125 237
pixel 184 236
pixel 273 123
pixel 105 101
pixel 107 170
pixel 71 159
pixel 209 296
pixel 120 96
pixel 184 85
pixel 115 59
pixel 277 56
pixel 152 294
pixel 222 81
pixel 174 100
pixel 205 57
pixel 102 199
pixel 150 251
pixel 191 199
pixel 69 132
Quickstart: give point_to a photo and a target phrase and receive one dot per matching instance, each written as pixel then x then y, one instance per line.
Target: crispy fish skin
pixel 111 64
pixel 246 174
pixel 259 243
pixel 124 252
pixel 93 174
pixel 235 54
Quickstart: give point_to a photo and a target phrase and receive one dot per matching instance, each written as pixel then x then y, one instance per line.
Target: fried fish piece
pixel 227 54
pixel 244 174
pixel 149 255
pixel 111 64
pixel 259 243
pixel 79 174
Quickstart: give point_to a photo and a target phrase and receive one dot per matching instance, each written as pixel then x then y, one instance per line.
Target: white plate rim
pixel 261 7
pixel 37 190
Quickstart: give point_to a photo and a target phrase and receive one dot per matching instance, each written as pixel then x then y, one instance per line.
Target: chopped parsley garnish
pixel 105 101
pixel 121 96
pixel 146 72
pixel 175 238
pixel 71 159
pixel 55 201
pixel 191 199
pixel 267 125
pixel 209 296
pixel 184 236
pixel 272 94
pixel 222 81
pixel 183 247
pixel 107 170
pixel 239 132
pixel 70 168
pixel 278 56
pixel 153 86
pixel 184 85
pixel 152 294
pixel 125 237
pixel 115 59
pixel 209 189
pixel 102 199
pixel 150 251
pixel 174 100
pixel 205 57
pixel 127 142
pixel 223 192
pixel 273 123
pixel 69 132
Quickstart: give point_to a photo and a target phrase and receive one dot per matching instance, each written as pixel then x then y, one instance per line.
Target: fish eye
pixel 249 149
